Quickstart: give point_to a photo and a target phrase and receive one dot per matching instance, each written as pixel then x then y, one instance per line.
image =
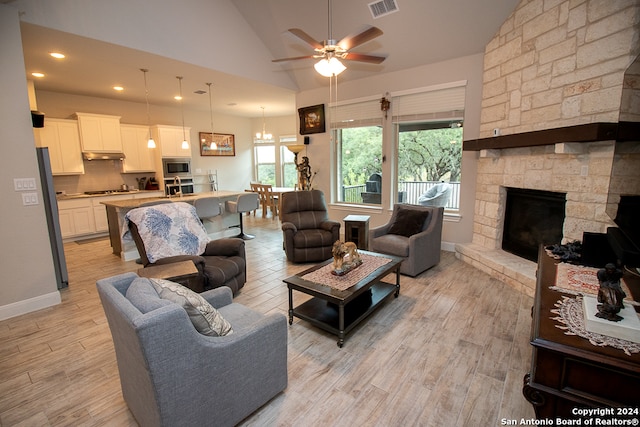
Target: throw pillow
pixel 206 319
pixel 408 222
pixel 143 296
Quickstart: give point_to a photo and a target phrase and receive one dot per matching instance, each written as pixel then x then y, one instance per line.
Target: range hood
pixel 88 155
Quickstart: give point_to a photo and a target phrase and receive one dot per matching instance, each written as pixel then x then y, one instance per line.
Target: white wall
pixel 211 34
pixel 28 277
pixel 456 229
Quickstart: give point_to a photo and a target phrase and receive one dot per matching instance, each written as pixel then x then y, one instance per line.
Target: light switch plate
pixel 29 199
pixel 24 184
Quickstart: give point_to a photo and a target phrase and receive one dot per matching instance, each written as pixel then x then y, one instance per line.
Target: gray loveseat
pixel 171 375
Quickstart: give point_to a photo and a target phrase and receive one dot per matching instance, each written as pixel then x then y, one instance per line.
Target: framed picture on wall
pixel 311 119
pixel 224 144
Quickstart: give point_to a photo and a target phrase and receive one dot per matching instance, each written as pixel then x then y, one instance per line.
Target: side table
pixel 356 230
pixel 180 272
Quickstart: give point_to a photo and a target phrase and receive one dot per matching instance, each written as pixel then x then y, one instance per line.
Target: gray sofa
pixel 171 375
pixel 419 247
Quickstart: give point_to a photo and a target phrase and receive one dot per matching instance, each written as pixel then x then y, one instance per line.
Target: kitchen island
pixel 124 246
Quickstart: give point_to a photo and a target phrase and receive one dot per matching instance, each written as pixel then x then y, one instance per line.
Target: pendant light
pixel 213 145
pixel 264 135
pixel 185 143
pixel 150 143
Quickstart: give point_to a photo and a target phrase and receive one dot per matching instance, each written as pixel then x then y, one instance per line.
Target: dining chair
pixel 268 200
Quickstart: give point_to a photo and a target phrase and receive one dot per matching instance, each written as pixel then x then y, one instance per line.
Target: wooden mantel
pixel 591 132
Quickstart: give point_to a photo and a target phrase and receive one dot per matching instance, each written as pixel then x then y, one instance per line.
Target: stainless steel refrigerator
pixel 53 222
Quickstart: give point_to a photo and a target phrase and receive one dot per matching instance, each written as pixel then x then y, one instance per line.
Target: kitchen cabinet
pixel 76 217
pixel 138 157
pixel 63 139
pixel 169 140
pixel 99 133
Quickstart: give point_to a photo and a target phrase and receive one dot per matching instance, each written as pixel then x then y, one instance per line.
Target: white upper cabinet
pixel 138 157
pixel 169 140
pixel 99 133
pixel 63 140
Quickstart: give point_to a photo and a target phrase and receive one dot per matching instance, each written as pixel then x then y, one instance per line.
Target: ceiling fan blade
pixel 293 58
pixel 352 41
pixel 306 37
pixel 373 59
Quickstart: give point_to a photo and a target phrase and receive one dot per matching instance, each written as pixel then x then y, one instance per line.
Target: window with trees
pixel 274 163
pixel 358 136
pixel 426 139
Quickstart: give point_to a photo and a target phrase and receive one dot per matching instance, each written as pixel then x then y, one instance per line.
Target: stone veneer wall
pixel 554 63
pixel 558 63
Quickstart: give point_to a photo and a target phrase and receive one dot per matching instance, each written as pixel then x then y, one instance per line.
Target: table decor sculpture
pixel 345 257
pixel 610 294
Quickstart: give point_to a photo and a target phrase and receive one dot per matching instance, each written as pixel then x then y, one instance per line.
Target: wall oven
pixel 176 167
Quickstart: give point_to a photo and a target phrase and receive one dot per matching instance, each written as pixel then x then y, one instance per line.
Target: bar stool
pixel 244 203
pixel 207 207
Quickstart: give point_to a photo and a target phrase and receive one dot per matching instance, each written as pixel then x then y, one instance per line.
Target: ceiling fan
pixel 330 51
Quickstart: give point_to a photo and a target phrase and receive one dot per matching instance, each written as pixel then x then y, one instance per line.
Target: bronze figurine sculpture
pixel 610 294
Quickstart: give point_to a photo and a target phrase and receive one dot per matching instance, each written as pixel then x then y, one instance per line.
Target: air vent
pixel 199 92
pixel 382 8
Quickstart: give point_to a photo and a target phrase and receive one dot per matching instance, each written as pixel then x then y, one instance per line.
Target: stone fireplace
pixel 581 171
pixel 552 98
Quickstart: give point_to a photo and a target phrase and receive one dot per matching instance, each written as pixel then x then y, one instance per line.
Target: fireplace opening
pixel 532 218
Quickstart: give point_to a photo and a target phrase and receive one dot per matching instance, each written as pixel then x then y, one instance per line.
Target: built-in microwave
pixel 176 167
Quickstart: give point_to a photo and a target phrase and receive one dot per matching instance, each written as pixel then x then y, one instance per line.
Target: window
pixel 429 153
pixel 289 173
pixel 265 155
pixel 357 130
pixel 428 127
pixel 274 163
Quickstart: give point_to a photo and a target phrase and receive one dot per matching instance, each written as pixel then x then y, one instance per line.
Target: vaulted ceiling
pixel 419 32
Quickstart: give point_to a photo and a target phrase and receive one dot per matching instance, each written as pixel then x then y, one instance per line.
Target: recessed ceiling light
pixel 118 88
pixel 177 97
pixel 39 75
pixel 57 55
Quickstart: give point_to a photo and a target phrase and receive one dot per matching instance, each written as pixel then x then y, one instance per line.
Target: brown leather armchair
pixel 308 232
pixel 220 262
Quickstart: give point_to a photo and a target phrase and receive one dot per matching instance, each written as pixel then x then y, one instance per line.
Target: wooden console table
pixel 567 371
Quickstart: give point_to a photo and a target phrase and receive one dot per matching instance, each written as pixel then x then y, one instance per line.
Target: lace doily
pixel 570 314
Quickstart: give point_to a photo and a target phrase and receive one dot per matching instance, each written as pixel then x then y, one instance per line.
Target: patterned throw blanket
pixel 169 229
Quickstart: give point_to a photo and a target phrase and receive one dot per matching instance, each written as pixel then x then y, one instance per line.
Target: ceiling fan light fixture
pixel 329 67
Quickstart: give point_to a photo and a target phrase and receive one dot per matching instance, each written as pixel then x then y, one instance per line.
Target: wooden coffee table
pixel 339 311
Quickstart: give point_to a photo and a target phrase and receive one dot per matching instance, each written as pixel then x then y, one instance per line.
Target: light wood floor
pixel 450 351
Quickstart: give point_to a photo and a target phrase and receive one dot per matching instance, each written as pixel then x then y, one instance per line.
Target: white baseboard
pixel 448 246
pixel 27 306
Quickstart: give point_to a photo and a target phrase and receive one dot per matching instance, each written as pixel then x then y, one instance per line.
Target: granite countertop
pixel 71 196
pixel 134 203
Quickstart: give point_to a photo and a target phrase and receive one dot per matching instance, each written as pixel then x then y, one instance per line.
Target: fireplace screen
pixel 532 218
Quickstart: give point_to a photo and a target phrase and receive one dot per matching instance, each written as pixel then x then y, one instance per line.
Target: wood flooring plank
pixel 453 338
